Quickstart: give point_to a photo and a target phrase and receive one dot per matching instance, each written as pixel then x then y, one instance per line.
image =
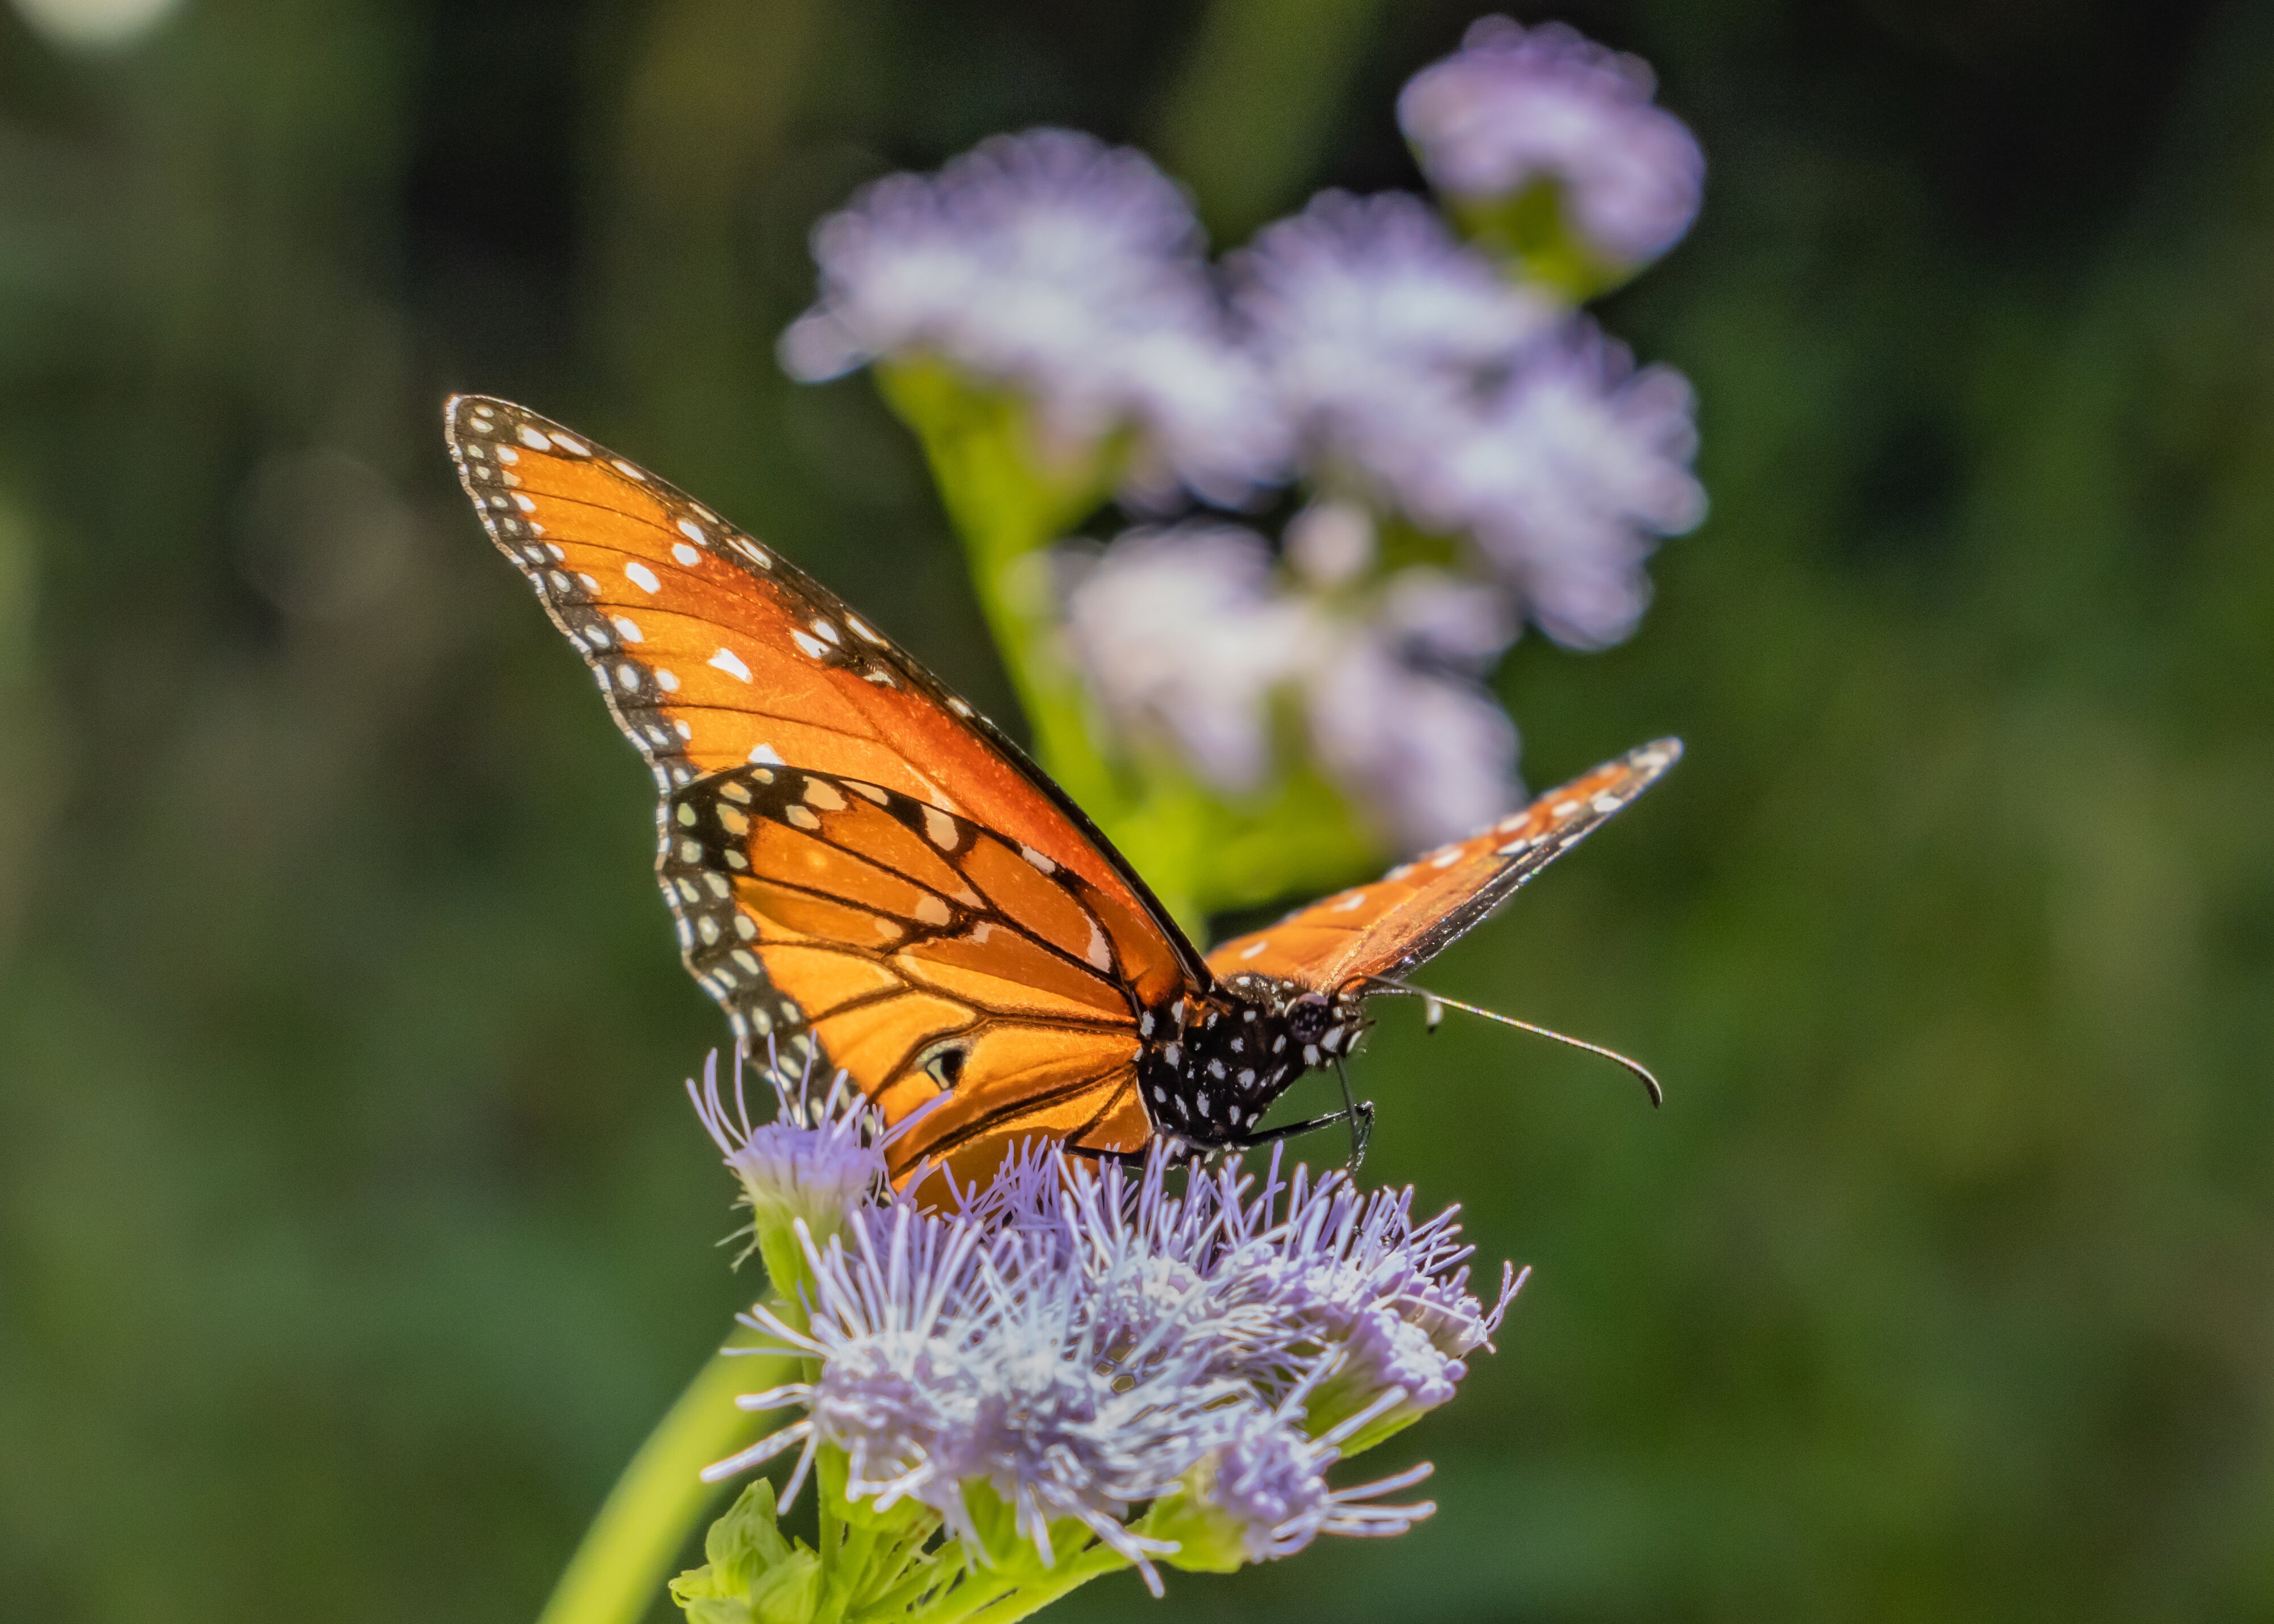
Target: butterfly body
pixel 1213 1066
pixel 865 874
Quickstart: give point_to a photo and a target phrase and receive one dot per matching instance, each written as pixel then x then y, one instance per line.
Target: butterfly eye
pixel 1307 1017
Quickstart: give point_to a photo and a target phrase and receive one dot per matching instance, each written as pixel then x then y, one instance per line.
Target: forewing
pixel 1413 913
pixel 848 925
pixel 714 653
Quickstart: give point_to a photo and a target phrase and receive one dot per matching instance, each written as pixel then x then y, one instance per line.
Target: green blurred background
pixel 353 1228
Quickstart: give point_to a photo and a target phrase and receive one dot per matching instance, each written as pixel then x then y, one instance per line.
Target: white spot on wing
pixel 813 647
pixel 1254 948
pixel 642 577
pixel 534 440
pixel 627 630
pixel 684 553
pixel 765 756
pixel 731 663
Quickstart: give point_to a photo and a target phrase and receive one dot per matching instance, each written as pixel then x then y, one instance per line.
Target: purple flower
pixel 1267 1480
pixel 1567 476
pixel 1086 1343
pixel 1067 270
pixel 1420 380
pixel 820 1156
pixel 1374 325
pixel 1515 106
pixel 1429 753
pixel 1183 635
pixel 1383 1300
pixel 1191 639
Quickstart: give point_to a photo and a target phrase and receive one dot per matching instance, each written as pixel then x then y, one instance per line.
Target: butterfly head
pixel 1213 1066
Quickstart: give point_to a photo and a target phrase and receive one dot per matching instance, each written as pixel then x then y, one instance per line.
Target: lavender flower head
pixel 1190 637
pixel 1430 388
pixel 1168 1373
pixel 1185 635
pixel 1518 106
pixel 820 1156
pixel 1567 476
pixel 1374 325
pixel 1064 269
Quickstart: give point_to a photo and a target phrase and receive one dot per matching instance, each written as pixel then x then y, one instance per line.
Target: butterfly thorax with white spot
pixel 1214 1064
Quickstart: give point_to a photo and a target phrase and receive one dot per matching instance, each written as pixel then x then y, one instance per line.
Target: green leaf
pixel 786 1592
pixel 754 1575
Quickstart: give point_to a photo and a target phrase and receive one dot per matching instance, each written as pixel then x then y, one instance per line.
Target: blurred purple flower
pixel 1068 270
pixel 1189 636
pixel 1426 750
pixel 1567 476
pixel 1375 324
pixel 1185 635
pixel 1416 375
pixel 1518 105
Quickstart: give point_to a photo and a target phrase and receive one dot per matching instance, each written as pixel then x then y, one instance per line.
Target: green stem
pixel 1008 503
pixel 643 1526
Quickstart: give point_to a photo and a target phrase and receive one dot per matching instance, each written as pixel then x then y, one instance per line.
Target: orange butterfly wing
pixel 937 962
pixel 1418 908
pixel 715 654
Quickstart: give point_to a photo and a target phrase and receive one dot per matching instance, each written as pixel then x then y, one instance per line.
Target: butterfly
pixel 866 873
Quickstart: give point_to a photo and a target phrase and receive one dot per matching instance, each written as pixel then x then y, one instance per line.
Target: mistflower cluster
pixel 1073 1370
pixel 1481 455
pixel 1188 634
pixel 1517 107
pixel 1064 269
pixel 1448 397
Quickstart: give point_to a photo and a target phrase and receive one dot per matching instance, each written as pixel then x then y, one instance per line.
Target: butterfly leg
pixel 1359 1115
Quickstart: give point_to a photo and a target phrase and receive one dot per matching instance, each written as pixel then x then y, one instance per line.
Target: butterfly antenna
pixel 1435 1003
